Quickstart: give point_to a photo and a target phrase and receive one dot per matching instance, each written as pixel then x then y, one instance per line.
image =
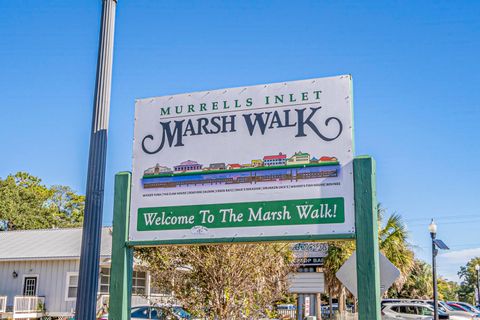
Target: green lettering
pixel 165 111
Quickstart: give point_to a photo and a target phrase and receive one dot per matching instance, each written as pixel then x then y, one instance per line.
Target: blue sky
pixel 414 63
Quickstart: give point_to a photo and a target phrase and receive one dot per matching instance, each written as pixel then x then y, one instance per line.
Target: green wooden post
pixel 366 225
pixel 122 255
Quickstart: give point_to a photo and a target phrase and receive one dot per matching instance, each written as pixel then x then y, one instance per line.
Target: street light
pixel 436 243
pixel 477 268
pixel 432 227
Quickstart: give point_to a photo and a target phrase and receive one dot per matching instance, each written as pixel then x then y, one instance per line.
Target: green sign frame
pixel 366 237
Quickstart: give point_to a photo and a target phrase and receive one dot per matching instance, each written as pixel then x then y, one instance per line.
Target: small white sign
pixel 310 249
pixel 347 274
pixel 310 253
pixel 307 282
pixel 307 306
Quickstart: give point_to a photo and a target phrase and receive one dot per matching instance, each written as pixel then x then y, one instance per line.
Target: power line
pixel 444 217
pixel 446 223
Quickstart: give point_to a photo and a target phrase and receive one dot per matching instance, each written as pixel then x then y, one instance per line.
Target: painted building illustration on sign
pixel 216 166
pixel 157 169
pixel 236 162
pixel 188 165
pixel 257 163
pixel 299 158
pixel 275 160
pixel 297 167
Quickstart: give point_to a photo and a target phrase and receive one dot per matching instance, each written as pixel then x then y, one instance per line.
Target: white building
pixel 39 273
pixel 158 169
pixel 299 158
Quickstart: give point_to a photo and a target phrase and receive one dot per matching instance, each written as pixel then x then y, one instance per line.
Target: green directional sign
pixel 254 214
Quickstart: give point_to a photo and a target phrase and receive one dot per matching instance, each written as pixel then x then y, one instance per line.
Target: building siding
pixel 52 277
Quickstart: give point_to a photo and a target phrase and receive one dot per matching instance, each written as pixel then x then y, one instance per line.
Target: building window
pixel 72 286
pixel 139 280
pixel 30 285
pixel 104 280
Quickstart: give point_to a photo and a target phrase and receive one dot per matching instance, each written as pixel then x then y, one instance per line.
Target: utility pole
pixel 434 269
pixel 477 268
pixel 436 243
pixel 92 224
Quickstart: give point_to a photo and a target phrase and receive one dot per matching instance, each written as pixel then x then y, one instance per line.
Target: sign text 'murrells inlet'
pixel 304 119
pixel 219 105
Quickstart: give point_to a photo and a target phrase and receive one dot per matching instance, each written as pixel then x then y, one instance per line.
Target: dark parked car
pixel 156 313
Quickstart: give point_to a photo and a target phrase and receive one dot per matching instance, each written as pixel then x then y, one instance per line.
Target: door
pixel 30 286
pixel 424 312
pixel 405 312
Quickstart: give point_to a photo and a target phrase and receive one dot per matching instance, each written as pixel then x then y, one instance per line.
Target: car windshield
pixel 424 311
pixel 445 306
pixel 140 313
pixel 469 307
pixel 458 308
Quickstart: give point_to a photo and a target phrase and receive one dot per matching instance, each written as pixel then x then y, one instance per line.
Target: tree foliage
pixel 338 253
pixel 418 283
pixel 230 281
pixel 26 203
pixel 468 275
pixel 447 290
pixel 393 243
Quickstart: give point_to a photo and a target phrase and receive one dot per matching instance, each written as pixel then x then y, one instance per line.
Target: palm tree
pixel 392 241
pixel 392 238
pixel 418 284
pixel 338 253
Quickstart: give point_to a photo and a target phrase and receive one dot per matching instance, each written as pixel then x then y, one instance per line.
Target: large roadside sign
pixel 265 162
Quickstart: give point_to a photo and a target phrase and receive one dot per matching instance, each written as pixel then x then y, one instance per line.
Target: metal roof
pixel 274 157
pixel 48 244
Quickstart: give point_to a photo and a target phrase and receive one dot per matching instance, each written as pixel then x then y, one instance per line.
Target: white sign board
pixel 269 161
pixel 306 282
pixel 347 274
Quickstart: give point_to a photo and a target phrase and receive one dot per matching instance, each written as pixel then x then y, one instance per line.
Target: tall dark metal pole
pixel 434 267
pixel 92 225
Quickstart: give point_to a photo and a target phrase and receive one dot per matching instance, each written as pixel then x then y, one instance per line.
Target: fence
pixel 287 313
pixel 3 304
pixel 28 305
pixel 138 300
pixel 292 314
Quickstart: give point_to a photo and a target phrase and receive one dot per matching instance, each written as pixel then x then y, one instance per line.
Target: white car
pixel 408 310
pixel 455 314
